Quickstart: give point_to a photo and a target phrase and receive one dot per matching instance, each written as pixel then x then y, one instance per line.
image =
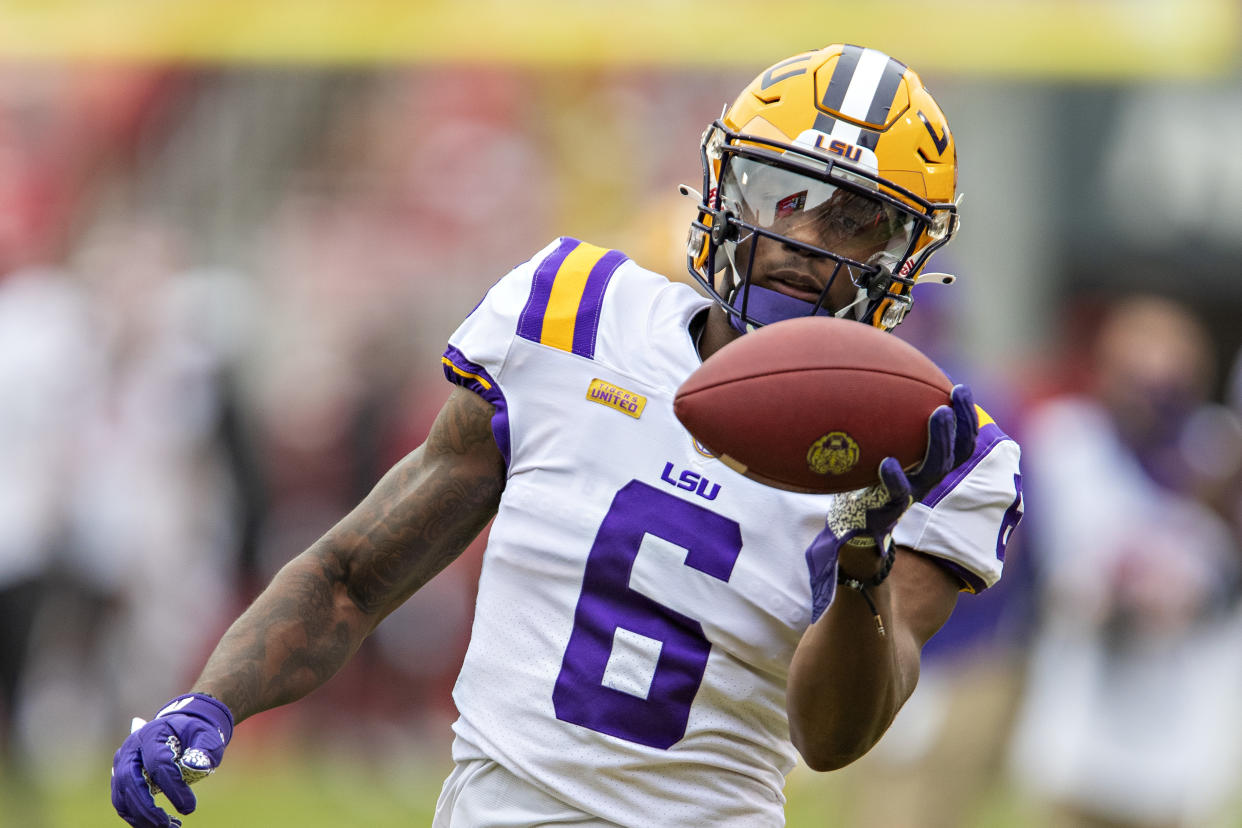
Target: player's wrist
pixel 866 586
pixel 862 560
pixel 205 707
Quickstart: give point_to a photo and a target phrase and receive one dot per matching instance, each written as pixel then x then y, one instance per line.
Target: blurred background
pixel 234 237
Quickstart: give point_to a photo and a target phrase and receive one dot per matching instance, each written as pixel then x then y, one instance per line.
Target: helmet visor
pixel 837 216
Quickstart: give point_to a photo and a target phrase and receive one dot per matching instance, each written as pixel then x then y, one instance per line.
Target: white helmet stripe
pixel 872 68
pixel 842 74
pixel 862 88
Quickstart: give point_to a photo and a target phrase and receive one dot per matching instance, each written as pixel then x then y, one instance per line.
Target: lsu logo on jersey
pixel 690 481
pixel 614 396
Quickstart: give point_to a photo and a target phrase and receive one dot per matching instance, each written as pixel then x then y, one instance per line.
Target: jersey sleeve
pixel 553 300
pixel 966 521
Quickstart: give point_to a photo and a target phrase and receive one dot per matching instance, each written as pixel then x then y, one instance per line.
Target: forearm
pixel 321 605
pixel 298 633
pixel 847 681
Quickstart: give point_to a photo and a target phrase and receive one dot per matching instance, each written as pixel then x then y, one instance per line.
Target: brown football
pixel 813 404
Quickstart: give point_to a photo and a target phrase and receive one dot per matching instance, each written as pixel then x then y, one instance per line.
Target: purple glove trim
pixel 204 707
pixel 821 562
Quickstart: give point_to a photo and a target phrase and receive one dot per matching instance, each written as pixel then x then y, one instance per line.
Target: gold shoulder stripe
pixel 566 296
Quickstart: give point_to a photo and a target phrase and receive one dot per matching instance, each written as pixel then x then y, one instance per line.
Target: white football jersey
pixel 640 602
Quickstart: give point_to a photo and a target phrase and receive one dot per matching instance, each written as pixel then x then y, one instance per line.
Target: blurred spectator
pixel 128 483
pixel 1130 712
pixel 47 366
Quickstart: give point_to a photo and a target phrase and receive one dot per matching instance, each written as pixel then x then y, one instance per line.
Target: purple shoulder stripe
pixel 586 325
pixel 530 323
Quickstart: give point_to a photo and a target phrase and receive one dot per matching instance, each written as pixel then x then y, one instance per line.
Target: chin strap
pixel 766 306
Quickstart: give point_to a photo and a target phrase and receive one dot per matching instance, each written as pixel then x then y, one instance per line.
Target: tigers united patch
pixel 614 396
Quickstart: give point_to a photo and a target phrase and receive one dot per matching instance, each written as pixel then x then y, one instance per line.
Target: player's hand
pixel 182 744
pixel 951 433
pixel 862 521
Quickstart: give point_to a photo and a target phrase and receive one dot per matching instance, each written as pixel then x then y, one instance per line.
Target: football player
pixel 656 638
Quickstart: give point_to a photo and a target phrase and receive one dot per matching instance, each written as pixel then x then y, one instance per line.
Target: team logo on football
pixel 834 453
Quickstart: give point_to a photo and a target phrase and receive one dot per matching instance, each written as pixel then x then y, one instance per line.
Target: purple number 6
pixel 608 605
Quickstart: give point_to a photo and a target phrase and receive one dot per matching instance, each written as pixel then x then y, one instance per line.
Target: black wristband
pixel 886 566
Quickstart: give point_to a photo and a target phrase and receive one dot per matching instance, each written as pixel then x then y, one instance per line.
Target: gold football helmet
pixel 839 154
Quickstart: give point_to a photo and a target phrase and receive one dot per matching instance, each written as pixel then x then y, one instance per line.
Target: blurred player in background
pixel 656 638
pixel 1130 708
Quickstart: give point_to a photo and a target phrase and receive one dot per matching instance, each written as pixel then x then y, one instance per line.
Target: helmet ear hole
pixel 722 229
pixel 879 282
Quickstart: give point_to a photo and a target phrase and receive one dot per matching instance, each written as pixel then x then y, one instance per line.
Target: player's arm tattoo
pixel 322 604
